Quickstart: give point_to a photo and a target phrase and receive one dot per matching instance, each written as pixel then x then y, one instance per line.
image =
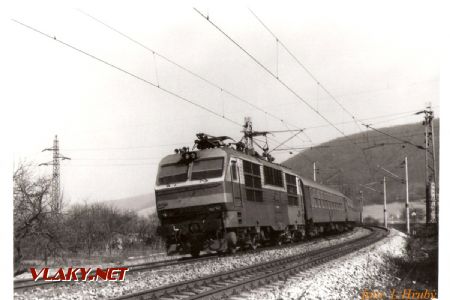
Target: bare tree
pixel 31 207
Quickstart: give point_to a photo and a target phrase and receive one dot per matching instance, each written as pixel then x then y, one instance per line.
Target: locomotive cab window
pixel 233 169
pixel 207 168
pixel 173 173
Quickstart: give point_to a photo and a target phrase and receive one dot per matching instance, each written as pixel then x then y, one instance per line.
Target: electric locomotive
pixel 220 197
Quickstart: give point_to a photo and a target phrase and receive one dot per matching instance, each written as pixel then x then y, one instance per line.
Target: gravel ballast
pixel 135 282
pixel 367 270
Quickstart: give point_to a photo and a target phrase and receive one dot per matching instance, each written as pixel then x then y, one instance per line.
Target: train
pixel 221 197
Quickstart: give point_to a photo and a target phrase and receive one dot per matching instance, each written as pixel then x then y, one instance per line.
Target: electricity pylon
pixel 55 204
pixel 432 201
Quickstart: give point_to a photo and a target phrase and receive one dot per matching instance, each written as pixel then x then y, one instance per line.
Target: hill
pixel 142 204
pixel 345 166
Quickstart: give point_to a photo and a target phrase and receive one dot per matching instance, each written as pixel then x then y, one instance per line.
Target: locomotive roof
pixel 206 153
pixel 217 152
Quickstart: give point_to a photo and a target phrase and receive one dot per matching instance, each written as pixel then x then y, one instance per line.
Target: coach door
pixel 301 201
pixel 235 183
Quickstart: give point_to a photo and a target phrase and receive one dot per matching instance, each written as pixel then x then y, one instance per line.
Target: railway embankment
pixel 176 273
pixel 370 273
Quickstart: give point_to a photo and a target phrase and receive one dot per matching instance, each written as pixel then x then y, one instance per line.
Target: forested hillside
pixel 345 166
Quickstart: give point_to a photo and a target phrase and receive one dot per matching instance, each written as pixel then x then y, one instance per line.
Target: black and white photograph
pixel 224 150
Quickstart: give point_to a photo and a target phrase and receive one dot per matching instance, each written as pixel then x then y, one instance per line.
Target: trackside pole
pixel 384 194
pixel 407 196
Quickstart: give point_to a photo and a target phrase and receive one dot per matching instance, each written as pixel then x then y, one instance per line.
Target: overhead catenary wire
pixel 394 137
pixel 287 87
pixel 377 142
pixel 403 115
pixel 282 83
pixel 128 73
pixel 116 159
pixel 279 42
pixel 375 139
pixel 285 141
pixel 355 120
pixel 189 71
pixel 124 148
pixel 270 72
pixel 370 91
pixel 145 164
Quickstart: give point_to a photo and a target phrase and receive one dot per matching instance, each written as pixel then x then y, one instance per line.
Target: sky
pixel 379 60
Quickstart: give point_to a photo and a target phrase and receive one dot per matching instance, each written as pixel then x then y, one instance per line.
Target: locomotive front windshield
pixel 207 168
pixel 173 173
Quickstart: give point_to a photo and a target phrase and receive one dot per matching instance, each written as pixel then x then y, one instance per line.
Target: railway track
pixel 22 284
pixel 30 283
pixel 232 283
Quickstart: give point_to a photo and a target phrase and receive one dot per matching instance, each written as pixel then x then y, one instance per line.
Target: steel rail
pixel 29 283
pixel 21 284
pixel 231 283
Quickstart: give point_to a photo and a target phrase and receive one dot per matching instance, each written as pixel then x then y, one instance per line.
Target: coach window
pixel 252 176
pixel 291 190
pixel 207 168
pixel 273 177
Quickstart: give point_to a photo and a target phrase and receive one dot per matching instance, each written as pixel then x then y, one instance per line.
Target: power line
pixel 215 85
pixel 278 41
pixel 282 82
pixel 394 137
pixel 371 91
pixel 371 118
pixel 270 72
pixel 305 68
pixel 116 159
pixel 114 165
pixel 377 140
pixel 124 148
pixel 392 119
pixel 128 73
